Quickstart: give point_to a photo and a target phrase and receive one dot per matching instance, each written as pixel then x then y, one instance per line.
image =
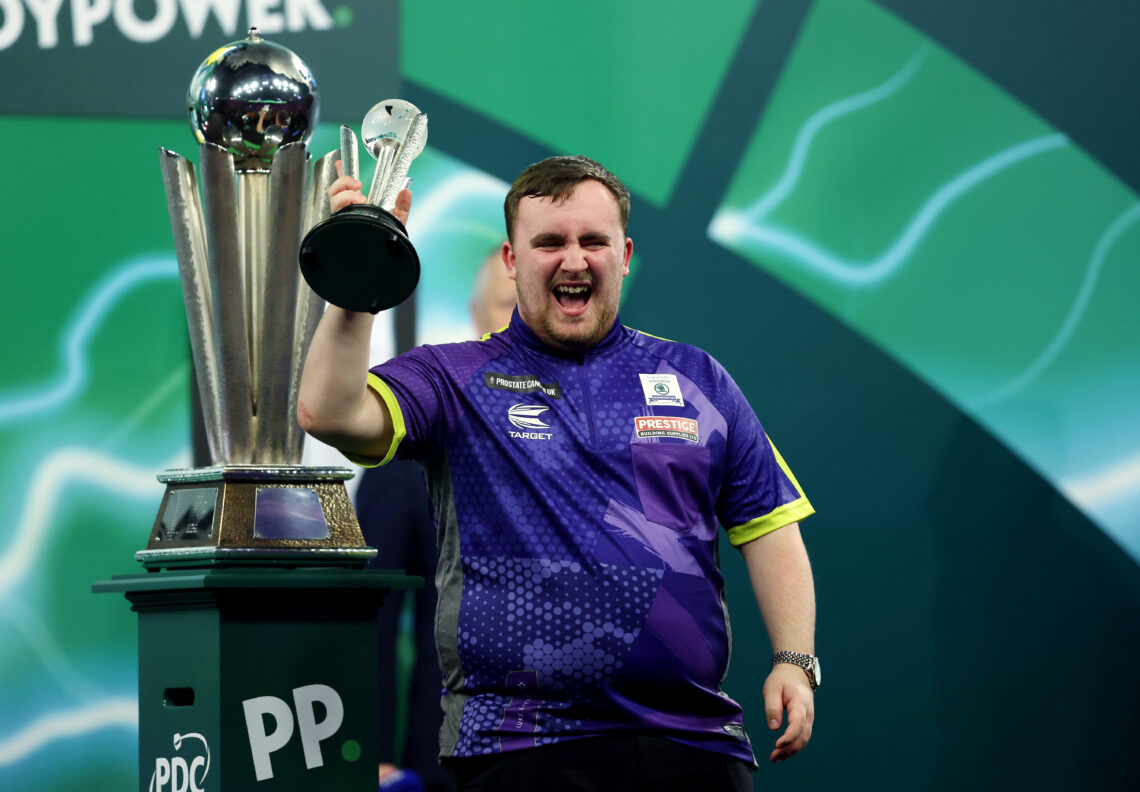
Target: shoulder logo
pixel 661 389
pixel 528 416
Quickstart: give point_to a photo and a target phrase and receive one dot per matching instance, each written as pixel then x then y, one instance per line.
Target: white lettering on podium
pixel 180 775
pixel 262 744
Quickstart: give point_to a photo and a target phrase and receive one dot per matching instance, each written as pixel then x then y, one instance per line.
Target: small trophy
pixel 361 258
pixel 252 105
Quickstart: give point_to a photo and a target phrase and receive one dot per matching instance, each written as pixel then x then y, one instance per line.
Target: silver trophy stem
pixel 254 221
pixel 190 248
pixel 279 305
pixel 317 203
pixel 310 307
pixel 385 152
pixel 409 149
pixel 228 308
pixel 349 158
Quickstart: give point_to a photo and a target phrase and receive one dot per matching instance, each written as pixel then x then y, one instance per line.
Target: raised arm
pixel 782 582
pixel 335 404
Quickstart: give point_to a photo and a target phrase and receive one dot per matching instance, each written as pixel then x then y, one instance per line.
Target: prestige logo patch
pixel 666 426
pixel 524 383
pixel 528 417
pixel 661 389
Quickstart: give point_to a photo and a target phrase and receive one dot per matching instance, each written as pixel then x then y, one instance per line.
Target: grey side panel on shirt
pixel 449 584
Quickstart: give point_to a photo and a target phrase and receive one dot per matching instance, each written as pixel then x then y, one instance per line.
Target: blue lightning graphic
pixel 731 227
pixel 104 714
pixel 1080 305
pixel 73 369
pixel 816 124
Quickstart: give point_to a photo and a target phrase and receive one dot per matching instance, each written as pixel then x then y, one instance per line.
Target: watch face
pixel 815 671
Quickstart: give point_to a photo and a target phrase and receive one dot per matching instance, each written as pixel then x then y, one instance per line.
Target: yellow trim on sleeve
pixel 777 518
pixel 794 511
pixel 399 430
pixel 784 467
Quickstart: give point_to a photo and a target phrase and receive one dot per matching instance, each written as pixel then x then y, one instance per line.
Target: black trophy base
pixel 360 259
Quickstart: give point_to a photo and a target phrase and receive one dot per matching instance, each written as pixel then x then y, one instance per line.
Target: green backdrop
pixel 909 229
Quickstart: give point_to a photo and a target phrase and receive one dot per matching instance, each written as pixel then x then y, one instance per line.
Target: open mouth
pixel 573 298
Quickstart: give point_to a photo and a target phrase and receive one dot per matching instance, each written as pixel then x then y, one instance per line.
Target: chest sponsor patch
pixel 661 389
pixel 665 426
pixel 521 383
pixel 529 418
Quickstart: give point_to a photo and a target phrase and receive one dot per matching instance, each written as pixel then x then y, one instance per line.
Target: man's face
pixel 568 261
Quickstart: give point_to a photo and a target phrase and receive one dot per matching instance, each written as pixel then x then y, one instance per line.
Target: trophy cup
pixel 252 106
pixel 360 258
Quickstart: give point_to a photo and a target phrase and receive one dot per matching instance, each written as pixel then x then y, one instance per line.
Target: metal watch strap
pixel 805 661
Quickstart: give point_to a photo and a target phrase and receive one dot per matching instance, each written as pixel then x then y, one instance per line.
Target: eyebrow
pixel 551 238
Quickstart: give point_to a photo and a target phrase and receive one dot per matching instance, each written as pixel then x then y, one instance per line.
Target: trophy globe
pixel 251 97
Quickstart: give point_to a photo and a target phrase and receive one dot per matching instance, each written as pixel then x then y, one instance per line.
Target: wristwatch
pixel 809 663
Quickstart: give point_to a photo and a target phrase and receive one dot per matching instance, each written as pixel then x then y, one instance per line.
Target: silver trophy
pixel 361 258
pixel 253 106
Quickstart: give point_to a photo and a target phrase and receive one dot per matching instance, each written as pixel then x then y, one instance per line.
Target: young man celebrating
pixel 578 471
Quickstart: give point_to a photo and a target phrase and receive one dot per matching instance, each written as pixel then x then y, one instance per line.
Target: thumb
pixel 403 205
pixel 773 708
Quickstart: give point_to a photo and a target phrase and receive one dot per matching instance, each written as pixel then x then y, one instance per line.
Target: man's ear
pixel 509 259
pixel 627 257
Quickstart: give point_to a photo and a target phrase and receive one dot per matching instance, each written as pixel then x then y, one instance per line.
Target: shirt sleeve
pixel 759 493
pixel 418 392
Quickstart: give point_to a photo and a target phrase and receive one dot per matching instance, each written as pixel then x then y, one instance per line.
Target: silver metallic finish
pixel 251 97
pixel 384 150
pixel 310 307
pixel 254 221
pixel 250 553
pixel 275 473
pixel 188 228
pixel 227 292
pixel 275 406
pixel 349 157
pixel 413 144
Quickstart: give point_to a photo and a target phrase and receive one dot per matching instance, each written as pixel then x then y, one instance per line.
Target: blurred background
pixel 911 231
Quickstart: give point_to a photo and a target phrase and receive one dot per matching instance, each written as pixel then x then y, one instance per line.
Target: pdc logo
pixel 176 774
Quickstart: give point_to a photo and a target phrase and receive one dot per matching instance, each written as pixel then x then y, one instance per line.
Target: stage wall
pixel 910 230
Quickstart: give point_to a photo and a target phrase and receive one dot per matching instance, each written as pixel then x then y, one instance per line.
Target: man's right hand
pixel 346 191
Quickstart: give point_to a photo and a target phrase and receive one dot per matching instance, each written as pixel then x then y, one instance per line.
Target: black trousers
pixel 626 763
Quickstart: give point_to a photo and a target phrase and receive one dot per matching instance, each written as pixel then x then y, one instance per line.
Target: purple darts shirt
pixel 577 501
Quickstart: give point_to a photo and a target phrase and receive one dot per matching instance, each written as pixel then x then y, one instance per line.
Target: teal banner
pixel 135 58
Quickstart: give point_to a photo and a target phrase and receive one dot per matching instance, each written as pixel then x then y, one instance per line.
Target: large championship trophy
pixel 252 105
pixel 257 620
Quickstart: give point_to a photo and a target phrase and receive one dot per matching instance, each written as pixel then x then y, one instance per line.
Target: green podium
pixel 257 677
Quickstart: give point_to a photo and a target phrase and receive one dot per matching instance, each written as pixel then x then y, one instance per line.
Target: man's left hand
pixel 787 689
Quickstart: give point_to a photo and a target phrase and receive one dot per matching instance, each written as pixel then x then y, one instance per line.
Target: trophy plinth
pixel 360 259
pixel 255 514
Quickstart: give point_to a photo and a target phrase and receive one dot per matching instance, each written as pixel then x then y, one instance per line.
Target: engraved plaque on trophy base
pixel 230 515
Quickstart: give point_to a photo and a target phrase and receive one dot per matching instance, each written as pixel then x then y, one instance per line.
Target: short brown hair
pixel 556 178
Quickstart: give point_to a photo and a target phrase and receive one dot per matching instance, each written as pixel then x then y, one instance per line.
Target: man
pixel 578 471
